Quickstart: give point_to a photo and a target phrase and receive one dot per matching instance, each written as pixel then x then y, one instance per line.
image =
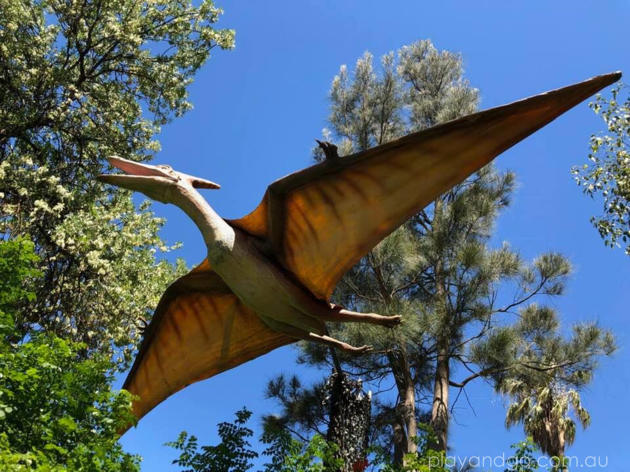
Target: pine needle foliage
pixel 438 270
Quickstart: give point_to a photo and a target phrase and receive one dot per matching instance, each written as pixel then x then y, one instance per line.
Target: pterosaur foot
pixel 391 321
pixel 359 350
pixel 323 339
pixel 387 321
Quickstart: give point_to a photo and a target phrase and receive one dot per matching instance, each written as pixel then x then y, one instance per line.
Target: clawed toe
pixel 359 350
pixel 392 321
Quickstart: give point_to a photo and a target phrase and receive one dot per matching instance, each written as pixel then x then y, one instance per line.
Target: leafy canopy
pixel 232 454
pixel 544 385
pixel 607 175
pixel 57 409
pixel 470 310
pixel 83 80
pixel 523 459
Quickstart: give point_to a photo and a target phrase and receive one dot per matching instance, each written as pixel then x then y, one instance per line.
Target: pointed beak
pixel 136 168
pixel 201 183
pixel 137 175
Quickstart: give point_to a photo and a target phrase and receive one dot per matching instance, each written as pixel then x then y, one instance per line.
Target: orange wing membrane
pixel 199 329
pixel 320 221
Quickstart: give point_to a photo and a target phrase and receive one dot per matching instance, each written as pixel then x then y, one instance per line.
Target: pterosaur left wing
pixel 320 221
pixel 199 328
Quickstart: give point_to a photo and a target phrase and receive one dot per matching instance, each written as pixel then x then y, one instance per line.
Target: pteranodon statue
pixel 268 277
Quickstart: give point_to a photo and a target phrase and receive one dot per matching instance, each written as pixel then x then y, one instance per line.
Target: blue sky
pixel 259 107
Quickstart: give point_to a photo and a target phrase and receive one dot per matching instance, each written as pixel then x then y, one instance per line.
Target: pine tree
pixel 438 270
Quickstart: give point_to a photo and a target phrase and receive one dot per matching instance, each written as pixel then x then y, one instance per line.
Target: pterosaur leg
pixel 323 339
pixel 338 313
pixel 318 338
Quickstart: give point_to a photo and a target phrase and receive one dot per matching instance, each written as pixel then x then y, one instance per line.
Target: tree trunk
pixel 405 426
pixel 439 409
pixel 349 421
pixel 400 441
pixel 562 467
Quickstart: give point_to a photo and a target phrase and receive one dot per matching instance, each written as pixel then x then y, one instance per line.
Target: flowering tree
pixel 83 80
pixel 607 176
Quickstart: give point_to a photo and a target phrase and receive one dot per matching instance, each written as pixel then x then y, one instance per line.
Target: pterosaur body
pixel 268 277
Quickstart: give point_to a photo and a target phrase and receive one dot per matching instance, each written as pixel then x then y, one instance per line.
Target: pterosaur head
pixel 156 182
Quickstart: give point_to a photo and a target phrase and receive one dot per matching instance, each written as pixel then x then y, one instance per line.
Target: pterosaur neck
pixel 197 208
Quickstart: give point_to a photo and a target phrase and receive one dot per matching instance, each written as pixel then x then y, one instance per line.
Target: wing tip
pixel 612 76
pixel 573 93
pixel 603 80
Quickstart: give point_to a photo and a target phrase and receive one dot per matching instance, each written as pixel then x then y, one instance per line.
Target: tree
pixel 607 176
pixel 438 270
pixel 232 454
pixel 83 80
pixel 57 412
pixel 545 415
pixel 523 459
pixel 338 404
pixel 544 386
pixel 288 454
pixel 17 266
pixel 417 88
pixel 425 459
pixel 349 409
